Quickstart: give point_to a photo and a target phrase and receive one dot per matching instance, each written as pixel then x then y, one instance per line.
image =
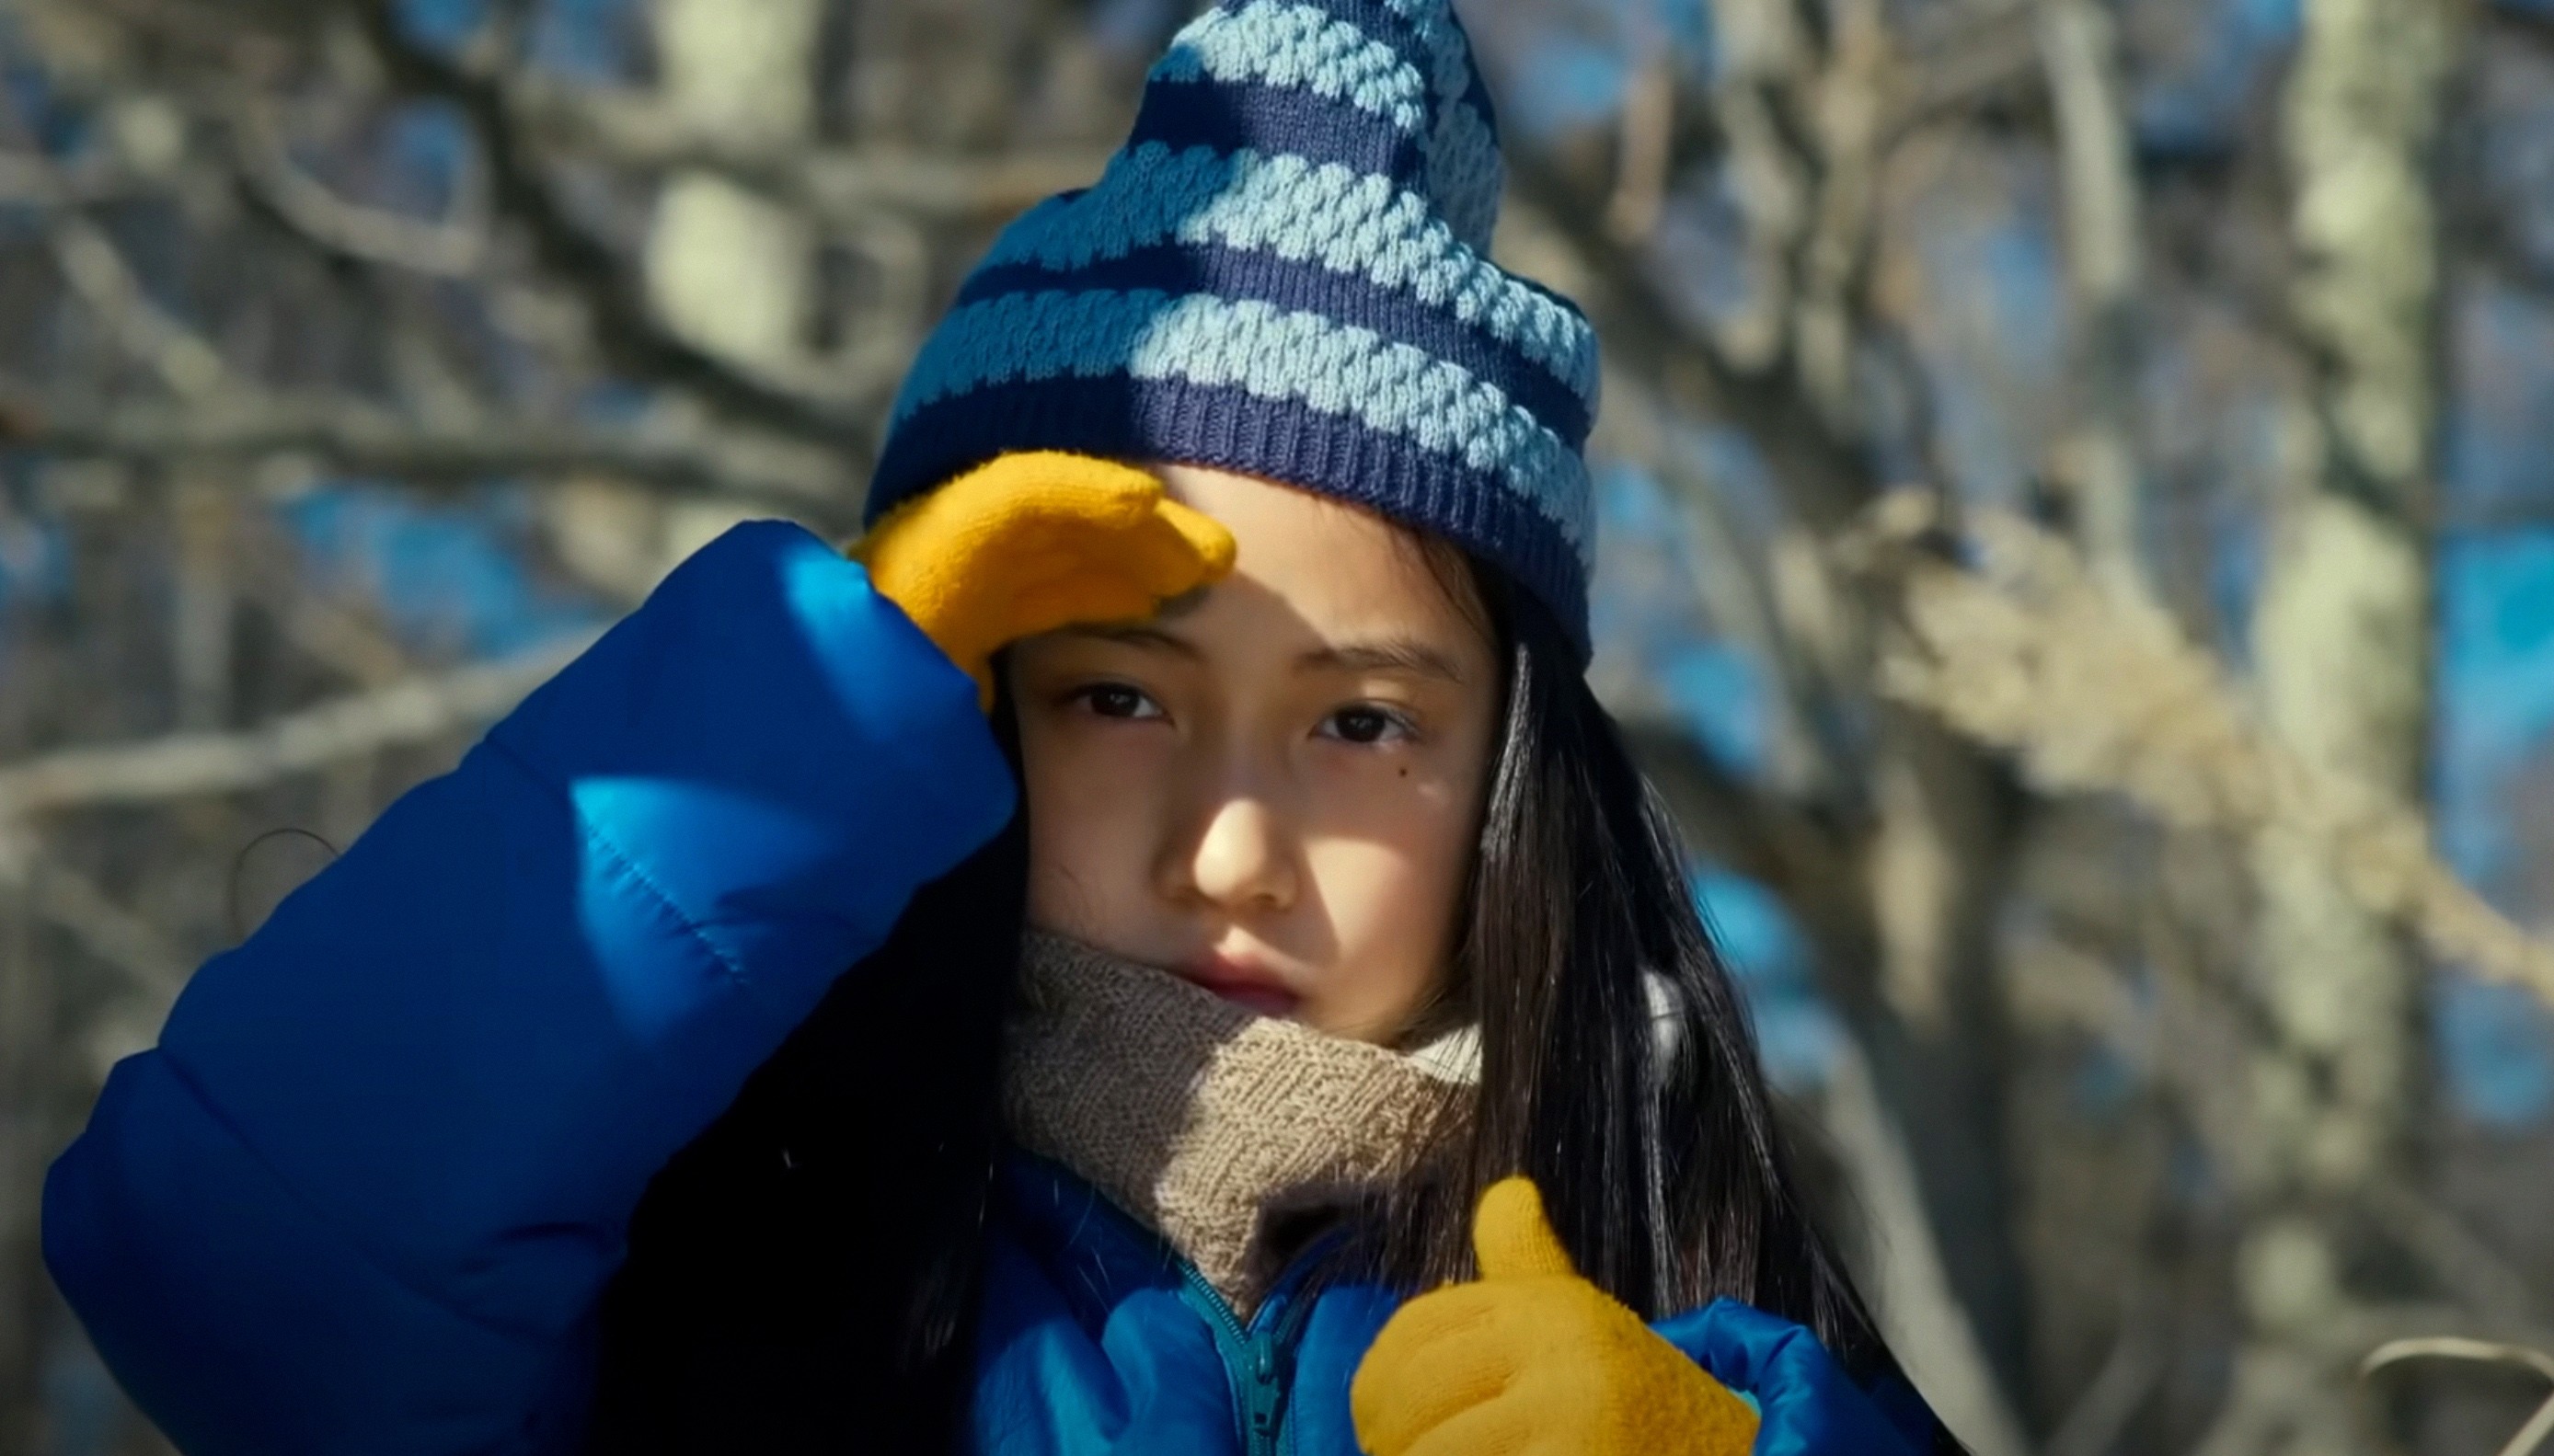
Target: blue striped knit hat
pixel 1285 272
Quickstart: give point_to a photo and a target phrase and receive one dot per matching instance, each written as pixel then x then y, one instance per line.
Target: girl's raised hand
pixel 1532 1360
pixel 1035 541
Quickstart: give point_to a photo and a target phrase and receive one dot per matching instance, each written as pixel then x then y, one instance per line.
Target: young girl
pixel 1160 951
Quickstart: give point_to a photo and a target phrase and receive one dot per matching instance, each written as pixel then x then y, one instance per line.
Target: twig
pixel 105 928
pixel 189 764
pixel 1764 62
pixel 2462 1263
pixel 448 249
pixel 333 634
pixel 842 185
pixel 1736 583
pixel 28 180
pixel 2094 1423
pixel 1952 72
pixel 2539 1426
pixel 96 271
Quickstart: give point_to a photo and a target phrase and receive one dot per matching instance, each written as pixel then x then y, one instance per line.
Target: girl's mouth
pixel 1242 983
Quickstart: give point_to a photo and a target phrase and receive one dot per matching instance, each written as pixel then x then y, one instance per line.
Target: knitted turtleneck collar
pixel 1211 1125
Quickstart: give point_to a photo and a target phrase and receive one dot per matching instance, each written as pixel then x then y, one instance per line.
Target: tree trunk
pixel 726 270
pixel 729 270
pixel 1935 1030
pixel 2341 636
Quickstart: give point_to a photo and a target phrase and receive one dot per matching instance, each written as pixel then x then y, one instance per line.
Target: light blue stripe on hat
pixel 1360 226
pixel 1331 368
pixel 1463 173
pixel 1276 44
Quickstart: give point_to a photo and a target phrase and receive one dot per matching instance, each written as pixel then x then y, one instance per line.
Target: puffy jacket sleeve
pixel 1808 1403
pixel 364 1194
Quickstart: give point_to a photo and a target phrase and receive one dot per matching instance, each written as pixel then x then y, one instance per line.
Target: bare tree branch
pixel 2093 1425
pixel 2529 1437
pixel 665 452
pixel 843 185
pixel 2464 1266
pixel 1953 67
pixel 148 960
pixel 190 367
pixel 630 336
pixel 29 180
pixel 453 248
pixel 185 765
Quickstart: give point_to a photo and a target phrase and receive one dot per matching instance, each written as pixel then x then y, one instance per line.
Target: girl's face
pixel 1272 789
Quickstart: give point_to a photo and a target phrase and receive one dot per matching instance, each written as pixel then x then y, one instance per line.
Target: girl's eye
pixel 1116 699
pixel 1366 724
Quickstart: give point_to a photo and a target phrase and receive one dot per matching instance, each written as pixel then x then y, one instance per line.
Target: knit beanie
pixel 1284 273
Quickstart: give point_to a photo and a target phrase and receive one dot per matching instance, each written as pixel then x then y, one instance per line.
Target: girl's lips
pixel 1242 983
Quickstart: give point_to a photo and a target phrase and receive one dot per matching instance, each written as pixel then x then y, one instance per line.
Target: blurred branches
pixel 683 457
pixel 629 337
pixel 2049 642
pixel 2094 694
pixel 412 710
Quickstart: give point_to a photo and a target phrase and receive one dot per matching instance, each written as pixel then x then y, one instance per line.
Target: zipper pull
pixel 1267 1392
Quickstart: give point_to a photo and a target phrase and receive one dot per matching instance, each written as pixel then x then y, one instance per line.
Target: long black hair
pixel 803 1277
pixel 1618 1069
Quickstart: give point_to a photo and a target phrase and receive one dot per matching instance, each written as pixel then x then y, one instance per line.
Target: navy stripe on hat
pixel 1232 274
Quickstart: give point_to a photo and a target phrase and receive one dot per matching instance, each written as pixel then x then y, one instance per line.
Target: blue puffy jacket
pixel 365 1194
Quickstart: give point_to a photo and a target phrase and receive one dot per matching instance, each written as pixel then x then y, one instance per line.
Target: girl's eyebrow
pixel 1147 633
pixel 1136 634
pixel 1392 654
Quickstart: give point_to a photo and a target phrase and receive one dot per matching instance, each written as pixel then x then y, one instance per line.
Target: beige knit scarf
pixel 1219 1129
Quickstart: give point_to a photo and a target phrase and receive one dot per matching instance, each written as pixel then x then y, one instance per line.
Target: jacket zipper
pixel 1257 1356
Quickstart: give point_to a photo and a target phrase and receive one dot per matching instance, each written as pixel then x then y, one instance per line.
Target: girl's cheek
pixel 1408 800
pixel 1391 868
pixel 1093 792
pixel 1084 867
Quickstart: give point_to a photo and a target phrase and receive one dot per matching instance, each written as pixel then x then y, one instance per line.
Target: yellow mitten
pixel 1035 541
pixel 1531 1360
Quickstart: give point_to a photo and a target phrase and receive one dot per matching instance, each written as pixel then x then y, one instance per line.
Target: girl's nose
pixel 1242 861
